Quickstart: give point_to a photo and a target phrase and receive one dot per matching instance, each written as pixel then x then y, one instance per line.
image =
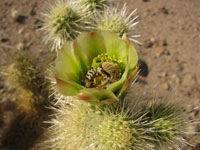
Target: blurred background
pixel 169 54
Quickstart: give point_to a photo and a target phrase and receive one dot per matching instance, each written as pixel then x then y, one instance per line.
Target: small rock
pixel 3 39
pixel 143 68
pixel 162 74
pixel 178 42
pixel 165 10
pixel 189 80
pixel 176 79
pixel 21 31
pixel 148 43
pixel 166 86
pixel 152 39
pixel 32 12
pixel 164 43
pixel 20 46
pixel 159 50
pixel 18 17
pixel 15 14
pixel 21 19
pixel 146 0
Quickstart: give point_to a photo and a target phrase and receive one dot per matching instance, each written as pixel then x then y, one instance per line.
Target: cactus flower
pixel 97 67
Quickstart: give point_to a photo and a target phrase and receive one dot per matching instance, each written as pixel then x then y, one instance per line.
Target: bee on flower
pixel 97 67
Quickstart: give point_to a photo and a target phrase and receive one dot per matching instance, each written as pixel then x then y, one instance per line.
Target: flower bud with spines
pixel 94 6
pixel 63 21
pixel 117 21
pixel 170 125
pixel 27 78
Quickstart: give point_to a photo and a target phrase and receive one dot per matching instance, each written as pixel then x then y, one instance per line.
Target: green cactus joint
pixel 115 133
pixel 63 20
pixel 95 50
pixel 118 21
pixel 73 127
pixel 94 5
pixel 165 130
pixel 113 24
pixel 27 77
pixel 169 124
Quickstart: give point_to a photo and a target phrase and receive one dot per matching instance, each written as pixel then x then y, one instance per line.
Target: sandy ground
pixel 170 33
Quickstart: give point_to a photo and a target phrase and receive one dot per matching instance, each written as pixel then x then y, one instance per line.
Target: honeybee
pixel 111 69
pixel 108 73
pixel 89 77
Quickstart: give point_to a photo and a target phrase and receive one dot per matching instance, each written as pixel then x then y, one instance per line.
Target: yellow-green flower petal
pixel 97 95
pixel 129 73
pixel 87 46
pixel 67 87
pixel 132 57
pixel 66 65
pixel 115 46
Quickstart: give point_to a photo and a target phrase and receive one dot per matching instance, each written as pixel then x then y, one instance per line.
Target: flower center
pixel 104 70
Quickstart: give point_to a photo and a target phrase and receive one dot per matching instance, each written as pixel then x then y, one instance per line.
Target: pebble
pixel 162 74
pixel 148 43
pixel 20 46
pixel 159 50
pixel 2 39
pixel 15 14
pixel 21 31
pixel 164 10
pixel 144 71
pixel 152 39
pixel 166 86
pixel 176 79
pixel 189 80
pixel 178 42
pixel 18 17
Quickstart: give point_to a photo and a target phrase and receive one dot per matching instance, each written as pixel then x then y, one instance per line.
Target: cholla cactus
pixel 94 6
pixel 73 127
pixel 123 130
pixel 170 124
pixel 167 120
pixel 63 21
pixel 79 125
pixel 117 21
pixel 24 75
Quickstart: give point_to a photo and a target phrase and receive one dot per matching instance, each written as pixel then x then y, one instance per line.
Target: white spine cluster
pixel 63 21
pixel 117 21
